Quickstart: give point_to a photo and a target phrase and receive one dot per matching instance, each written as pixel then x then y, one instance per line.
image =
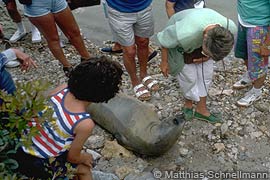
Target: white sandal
pixel 151 84
pixel 139 93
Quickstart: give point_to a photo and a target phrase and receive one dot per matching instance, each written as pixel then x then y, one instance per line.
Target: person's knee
pixel 130 51
pixel 73 33
pixel 142 42
pixel 11 7
pixel 52 39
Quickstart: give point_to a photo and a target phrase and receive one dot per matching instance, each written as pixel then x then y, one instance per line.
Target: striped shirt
pixel 55 137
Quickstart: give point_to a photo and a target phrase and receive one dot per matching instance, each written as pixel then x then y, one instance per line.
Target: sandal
pixel 211 119
pixel 152 55
pixel 141 92
pixel 151 84
pixel 110 50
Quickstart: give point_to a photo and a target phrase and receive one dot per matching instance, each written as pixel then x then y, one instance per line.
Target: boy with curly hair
pixel 96 80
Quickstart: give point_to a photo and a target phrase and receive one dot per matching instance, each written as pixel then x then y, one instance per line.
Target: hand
pixel 25 60
pixel 164 67
pixel 87 160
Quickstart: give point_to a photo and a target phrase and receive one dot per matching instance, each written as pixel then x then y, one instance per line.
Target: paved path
pixel 95 26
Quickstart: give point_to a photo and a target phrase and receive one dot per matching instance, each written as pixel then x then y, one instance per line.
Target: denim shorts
pixel 43 7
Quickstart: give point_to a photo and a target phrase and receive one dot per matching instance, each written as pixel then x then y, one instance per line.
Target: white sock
pixel 20 27
pixel 34 28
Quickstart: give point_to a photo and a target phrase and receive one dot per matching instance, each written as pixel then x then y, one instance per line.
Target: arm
pixel 82 132
pixel 25 60
pixel 164 66
pixel 170 8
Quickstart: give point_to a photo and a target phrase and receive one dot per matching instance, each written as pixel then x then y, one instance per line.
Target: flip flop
pixel 152 55
pixel 110 50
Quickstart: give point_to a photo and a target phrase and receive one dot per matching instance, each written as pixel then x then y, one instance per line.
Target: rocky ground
pixel 240 143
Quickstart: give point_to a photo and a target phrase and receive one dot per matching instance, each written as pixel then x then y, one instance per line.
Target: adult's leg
pixel 188 103
pixel 201 107
pixel 204 80
pixel 258 83
pixel 16 17
pixel 142 53
pixel 241 51
pixel 13 11
pixel 51 36
pixel 67 23
pixel 257 64
pixel 129 53
pixel 116 46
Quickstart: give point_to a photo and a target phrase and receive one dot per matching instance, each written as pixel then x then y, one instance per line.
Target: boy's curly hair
pixel 96 80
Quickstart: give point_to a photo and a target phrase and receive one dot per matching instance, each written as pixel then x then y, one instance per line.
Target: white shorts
pixel 195 80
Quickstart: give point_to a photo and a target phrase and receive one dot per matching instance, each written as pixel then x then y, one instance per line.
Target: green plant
pixel 15 113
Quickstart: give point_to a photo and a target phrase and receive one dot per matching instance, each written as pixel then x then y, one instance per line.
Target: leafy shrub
pixel 15 113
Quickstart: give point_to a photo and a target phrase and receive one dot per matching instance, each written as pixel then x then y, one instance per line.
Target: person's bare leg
pixel 51 36
pixel 116 46
pixel 142 53
pixel 67 23
pixel 129 62
pixel 201 107
pixel 13 11
pixel 188 103
pixel 258 83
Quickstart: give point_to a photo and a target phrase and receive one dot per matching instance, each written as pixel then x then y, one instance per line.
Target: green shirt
pixel 255 12
pixel 184 33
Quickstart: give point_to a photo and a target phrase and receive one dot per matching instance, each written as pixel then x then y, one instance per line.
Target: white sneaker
pixel 36 37
pixel 250 97
pixel 12 64
pixel 245 81
pixel 17 36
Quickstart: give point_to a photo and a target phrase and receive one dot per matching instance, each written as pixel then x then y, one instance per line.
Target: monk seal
pixel 136 126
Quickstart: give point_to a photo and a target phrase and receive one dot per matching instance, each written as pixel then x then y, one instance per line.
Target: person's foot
pixel 212 118
pixel 150 83
pixel 245 81
pixel 250 97
pixel 17 36
pixel 36 37
pixel 188 113
pixel 141 92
